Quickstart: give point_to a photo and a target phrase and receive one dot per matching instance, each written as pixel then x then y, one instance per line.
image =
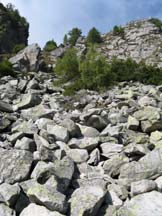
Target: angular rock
pixel 97 122
pixel 155 137
pixel 88 143
pixel 74 130
pixel 25 144
pixel 94 157
pixel 148 167
pixel 150 117
pixel 4 124
pixel 28 59
pixel 27 101
pixel 113 131
pixel 48 197
pixel 37 112
pixel 26 127
pixel 60 133
pixel 9 194
pixel 142 186
pixel 110 149
pixel 37 210
pixel 148 204
pixel 158 182
pixel 86 201
pixel 89 131
pixel 132 123
pixel 113 165
pixel 14 137
pixel 78 155
pixel 5 107
pixel 15 165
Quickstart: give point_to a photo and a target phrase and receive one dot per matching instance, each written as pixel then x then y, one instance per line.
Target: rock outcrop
pixel 14 29
pixel 142 40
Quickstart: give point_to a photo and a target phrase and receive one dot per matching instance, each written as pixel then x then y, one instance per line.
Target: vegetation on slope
pixel 95 73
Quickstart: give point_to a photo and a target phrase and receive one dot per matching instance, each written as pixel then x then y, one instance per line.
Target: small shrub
pixel 94 36
pixel 6 69
pixel 95 71
pixel 157 23
pixel 67 68
pixel 18 47
pixel 50 45
pixel 118 31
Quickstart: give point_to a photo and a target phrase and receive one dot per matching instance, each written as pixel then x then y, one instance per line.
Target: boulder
pixel 88 143
pixel 27 101
pixel 74 130
pixel 15 165
pixel 147 204
pixel 37 112
pixel 25 144
pixel 48 197
pixel 110 149
pixel 5 107
pixel 9 194
pixel 27 59
pixel 150 118
pixel 132 123
pixel 148 167
pixel 86 201
pixel 60 133
pixel 142 186
pixel 37 210
pixel 89 131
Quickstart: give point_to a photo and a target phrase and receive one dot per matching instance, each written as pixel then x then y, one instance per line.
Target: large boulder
pixel 15 165
pixel 148 204
pixel 48 197
pixel 148 167
pixel 27 59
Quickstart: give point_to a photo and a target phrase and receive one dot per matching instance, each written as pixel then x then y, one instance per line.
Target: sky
pixel 52 19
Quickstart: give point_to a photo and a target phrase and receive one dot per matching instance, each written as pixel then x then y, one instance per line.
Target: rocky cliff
pixel 13 29
pixel 141 40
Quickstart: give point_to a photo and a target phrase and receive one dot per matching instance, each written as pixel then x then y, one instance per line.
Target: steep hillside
pixel 140 40
pixel 13 29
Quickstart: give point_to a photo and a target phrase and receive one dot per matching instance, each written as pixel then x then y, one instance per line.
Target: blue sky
pixel 51 19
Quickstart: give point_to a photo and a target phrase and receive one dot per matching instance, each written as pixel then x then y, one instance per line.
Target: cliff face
pixel 141 40
pixel 13 29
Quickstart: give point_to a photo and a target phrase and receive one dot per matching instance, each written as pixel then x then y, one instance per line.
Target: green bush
pixel 118 31
pixel 157 23
pixel 95 71
pixel 94 36
pixel 17 48
pixel 6 69
pixel 75 86
pixel 74 34
pixel 67 68
pixel 50 45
